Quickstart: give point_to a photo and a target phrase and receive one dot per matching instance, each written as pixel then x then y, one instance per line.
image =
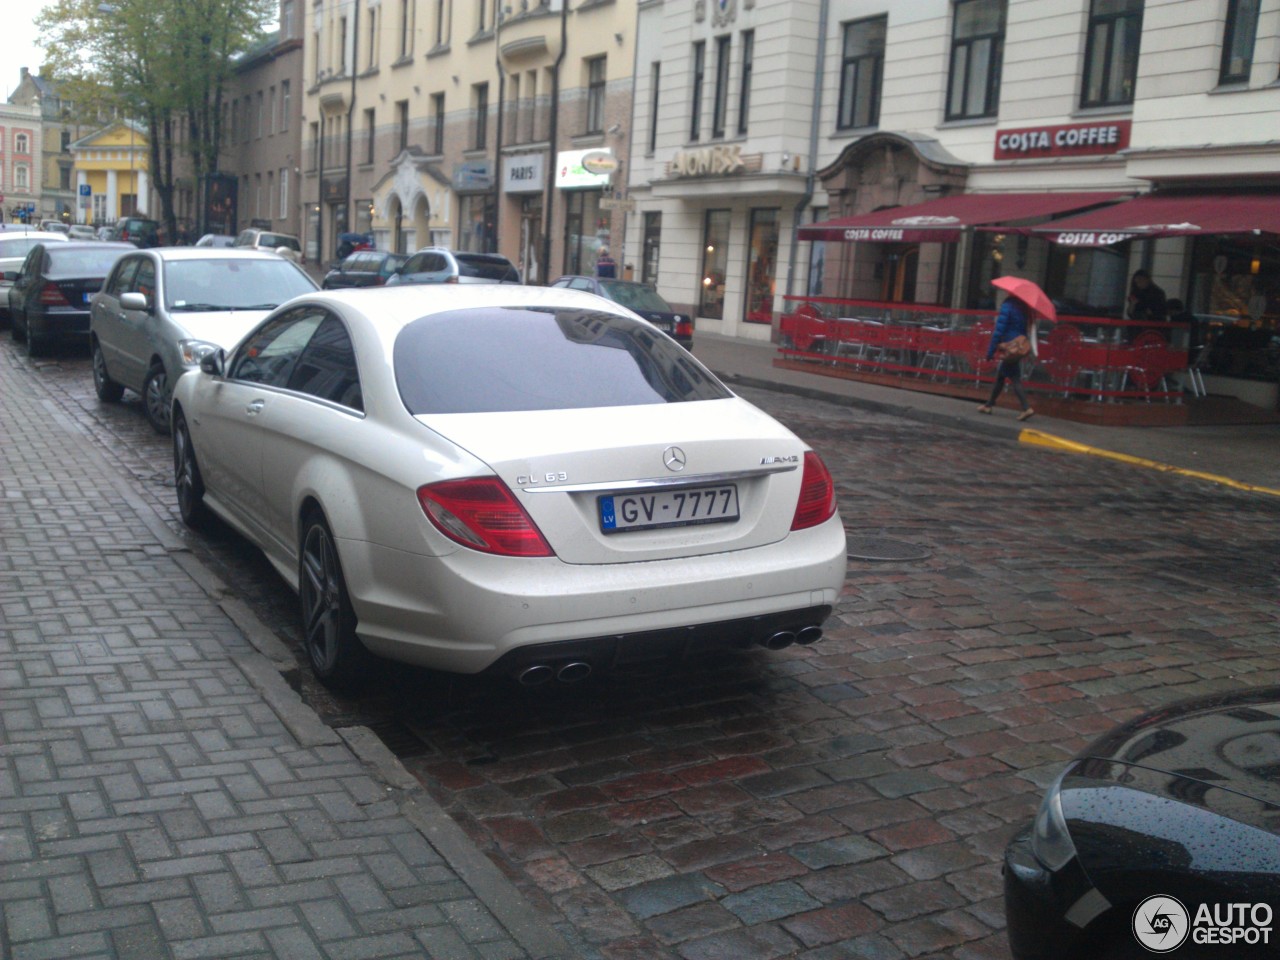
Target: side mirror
pixel 214 363
pixel 134 301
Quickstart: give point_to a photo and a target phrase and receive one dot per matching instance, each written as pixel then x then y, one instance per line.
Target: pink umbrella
pixel 1029 293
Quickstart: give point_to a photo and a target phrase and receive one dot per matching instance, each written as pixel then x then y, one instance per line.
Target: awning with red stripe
pixel 1168 215
pixel 942 220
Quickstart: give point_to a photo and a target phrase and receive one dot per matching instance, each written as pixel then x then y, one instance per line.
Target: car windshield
pixel 498 359
pixel 83 261
pixel 634 296
pixel 231 284
pixel 486 268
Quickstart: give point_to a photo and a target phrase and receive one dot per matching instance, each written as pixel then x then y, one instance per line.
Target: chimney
pixel 24 73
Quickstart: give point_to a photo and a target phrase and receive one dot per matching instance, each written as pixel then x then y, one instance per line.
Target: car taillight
pixel 481 513
pixel 124 234
pixel 684 328
pixel 51 296
pixel 451 280
pixel 817 494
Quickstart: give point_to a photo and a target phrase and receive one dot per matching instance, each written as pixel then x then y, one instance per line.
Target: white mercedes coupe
pixel 527 480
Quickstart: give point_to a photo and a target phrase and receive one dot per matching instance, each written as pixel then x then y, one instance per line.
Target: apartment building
pixel 21 154
pixel 57 129
pixel 474 125
pixel 775 138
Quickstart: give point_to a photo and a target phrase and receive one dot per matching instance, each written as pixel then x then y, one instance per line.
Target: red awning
pixel 1168 215
pixel 941 220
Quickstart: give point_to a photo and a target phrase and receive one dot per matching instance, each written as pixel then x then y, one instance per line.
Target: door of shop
pixel 762 259
pixel 530 238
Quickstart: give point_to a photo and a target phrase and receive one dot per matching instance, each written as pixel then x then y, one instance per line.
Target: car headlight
pixel 193 351
pixel 1050 839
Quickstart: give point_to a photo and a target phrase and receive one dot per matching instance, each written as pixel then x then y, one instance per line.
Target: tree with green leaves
pixel 165 63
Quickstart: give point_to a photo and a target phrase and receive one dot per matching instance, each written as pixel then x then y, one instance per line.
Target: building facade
pixel 57 129
pixel 474 126
pixel 110 169
pixel 21 154
pixel 758 117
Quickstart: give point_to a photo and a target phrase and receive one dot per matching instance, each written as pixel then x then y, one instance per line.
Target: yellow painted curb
pixel 1038 438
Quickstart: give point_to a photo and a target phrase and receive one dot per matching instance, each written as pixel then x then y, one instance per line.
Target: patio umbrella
pixel 1029 293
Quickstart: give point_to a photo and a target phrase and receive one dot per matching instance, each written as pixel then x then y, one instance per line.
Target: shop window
pixel 655 75
pixel 744 91
pixel 1111 59
pixel 817 257
pixel 1237 41
pixel 977 52
pixel 1235 293
pixel 480 114
pixel 587 229
pixel 652 247
pixel 437 123
pixel 861 73
pixel 475 231
pixel 699 71
pixel 720 106
pixel 715 262
pixel 402 123
pixel 762 264
pixel 595 95
pixel 368 134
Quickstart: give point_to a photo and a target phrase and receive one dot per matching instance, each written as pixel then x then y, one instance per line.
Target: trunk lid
pixel 559 463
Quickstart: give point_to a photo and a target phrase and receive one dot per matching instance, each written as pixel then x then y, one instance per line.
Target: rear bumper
pixel 467 611
pixel 58 323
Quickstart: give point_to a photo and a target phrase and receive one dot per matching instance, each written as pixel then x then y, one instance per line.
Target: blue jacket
pixel 1012 322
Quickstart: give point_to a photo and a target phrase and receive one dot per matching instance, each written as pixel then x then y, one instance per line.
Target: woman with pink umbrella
pixel 1014 337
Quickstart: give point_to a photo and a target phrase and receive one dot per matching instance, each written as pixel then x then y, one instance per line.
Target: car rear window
pixel 274 240
pixel 82 261
pixel 496 359
pixel 486 268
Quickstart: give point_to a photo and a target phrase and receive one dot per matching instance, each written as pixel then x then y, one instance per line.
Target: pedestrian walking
pixel 1011 341
pixel 606 266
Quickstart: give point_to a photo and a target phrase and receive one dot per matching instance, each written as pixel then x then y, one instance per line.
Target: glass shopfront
pixel 477 214
pixel 762 262
pixel 652 248
pixel 587 229
pixel 715 263
pixel 530 238
pixel 1235 296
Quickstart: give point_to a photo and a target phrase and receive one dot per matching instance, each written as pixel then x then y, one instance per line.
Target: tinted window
pixel 486 268
pixel 123 276
pixel 490 359
pixel 359 263
pixel 635 296
pixel 269 355
pixel 232 284
pixel 327 368
pixel 82 261
pixel 415 263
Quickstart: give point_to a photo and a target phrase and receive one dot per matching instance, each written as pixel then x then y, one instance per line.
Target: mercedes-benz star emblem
pixel 674 458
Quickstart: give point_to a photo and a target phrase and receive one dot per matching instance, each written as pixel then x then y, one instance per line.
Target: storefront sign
pixel 524 173
pixel 600 161
pixel 334 189
pixel 873 233
pixel 708 162
pixel 1068 140
pixel 474 176
pixel 571 174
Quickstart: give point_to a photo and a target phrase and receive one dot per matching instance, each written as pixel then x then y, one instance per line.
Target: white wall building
pixel 919 100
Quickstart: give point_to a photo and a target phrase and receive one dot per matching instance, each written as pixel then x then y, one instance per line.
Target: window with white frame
pixel 21 143
pixel 284 193
pixel 21 176
pixel 977 55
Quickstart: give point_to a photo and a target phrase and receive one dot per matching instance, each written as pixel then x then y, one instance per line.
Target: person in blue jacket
pixel 1012 322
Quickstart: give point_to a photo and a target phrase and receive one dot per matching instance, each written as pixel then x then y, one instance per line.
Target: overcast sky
pixel 22 45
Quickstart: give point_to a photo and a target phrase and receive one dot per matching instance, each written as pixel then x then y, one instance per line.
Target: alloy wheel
pixel 321 590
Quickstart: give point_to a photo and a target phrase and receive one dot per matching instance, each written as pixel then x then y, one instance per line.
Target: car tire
pixel 18 331
pixel 187 482
pixel 156 399
pixel 38 345
pixel 108 390
pixel 337 657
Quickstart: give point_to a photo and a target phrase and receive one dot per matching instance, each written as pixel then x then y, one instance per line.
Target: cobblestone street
pixel 850 799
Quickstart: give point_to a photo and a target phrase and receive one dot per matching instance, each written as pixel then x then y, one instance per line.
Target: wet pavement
pixel 850 799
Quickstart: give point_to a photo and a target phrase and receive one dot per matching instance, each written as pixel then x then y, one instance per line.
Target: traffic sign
pixel 85 190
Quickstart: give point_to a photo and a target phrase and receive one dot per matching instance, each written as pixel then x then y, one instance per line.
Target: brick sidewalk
pixel 152 803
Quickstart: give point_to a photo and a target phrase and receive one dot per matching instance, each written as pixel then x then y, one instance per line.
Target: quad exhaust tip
pixel 573 672
pixel 535 675
pixel 809 635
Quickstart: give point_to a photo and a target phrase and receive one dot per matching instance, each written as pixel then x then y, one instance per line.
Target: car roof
pixel 211 253
pixel 96 245
pixel 36 234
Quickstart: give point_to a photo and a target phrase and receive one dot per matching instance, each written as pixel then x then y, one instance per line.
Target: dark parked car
pixel 138 231
pixel 1175 811
pixel 49 299
pixel 438 265
pixel 641 298
pixel 365 268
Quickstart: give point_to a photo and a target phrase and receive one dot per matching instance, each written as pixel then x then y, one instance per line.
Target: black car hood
pixel 1228 744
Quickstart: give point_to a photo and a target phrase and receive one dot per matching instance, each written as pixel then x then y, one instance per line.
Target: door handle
pixel 255 408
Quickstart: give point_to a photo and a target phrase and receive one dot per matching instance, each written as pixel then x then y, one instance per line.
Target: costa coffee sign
pixel 1067 140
